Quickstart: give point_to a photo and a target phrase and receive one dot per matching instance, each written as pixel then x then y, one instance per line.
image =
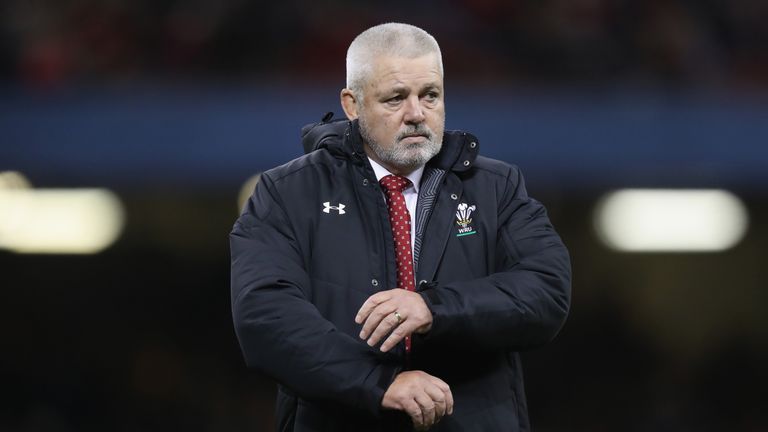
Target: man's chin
pixel 419 158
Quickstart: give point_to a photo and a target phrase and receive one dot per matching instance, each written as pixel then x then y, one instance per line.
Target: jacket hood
pixel 341 138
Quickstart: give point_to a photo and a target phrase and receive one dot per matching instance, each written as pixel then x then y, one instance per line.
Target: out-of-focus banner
pixel 143 136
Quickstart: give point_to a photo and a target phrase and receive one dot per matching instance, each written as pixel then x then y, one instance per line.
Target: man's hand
pixel 397 313
pixel 426 399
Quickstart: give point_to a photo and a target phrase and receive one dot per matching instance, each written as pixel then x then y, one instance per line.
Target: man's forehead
pixel 389 57
pixel 405 71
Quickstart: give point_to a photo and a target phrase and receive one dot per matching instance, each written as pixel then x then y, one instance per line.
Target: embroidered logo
pixel 464 219
pixel 327 207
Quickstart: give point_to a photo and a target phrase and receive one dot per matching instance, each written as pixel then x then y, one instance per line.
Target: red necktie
pixel 400 220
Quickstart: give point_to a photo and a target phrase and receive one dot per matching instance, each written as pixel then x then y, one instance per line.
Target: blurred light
pixel 645 220
pixel 74 221
pixel 13 180
pixel 247 190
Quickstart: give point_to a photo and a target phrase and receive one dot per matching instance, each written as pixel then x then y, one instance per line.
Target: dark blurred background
pixel 174 105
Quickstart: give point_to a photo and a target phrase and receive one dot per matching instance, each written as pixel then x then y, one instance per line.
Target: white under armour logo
pixel 328 207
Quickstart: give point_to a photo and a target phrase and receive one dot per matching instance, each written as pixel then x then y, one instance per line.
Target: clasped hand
pixel 400 313
pixel 397 313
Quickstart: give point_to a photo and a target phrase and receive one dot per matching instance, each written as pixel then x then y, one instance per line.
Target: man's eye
pixel 394 100
pixel 431 96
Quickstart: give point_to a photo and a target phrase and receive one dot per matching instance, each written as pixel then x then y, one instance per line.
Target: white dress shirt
pixel 411 193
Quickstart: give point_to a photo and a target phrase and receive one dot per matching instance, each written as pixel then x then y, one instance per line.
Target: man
pixel 388 278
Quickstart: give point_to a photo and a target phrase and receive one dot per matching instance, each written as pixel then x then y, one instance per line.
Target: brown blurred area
pixel 139 337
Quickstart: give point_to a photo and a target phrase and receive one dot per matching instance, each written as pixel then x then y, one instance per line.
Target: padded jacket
pixel 314 242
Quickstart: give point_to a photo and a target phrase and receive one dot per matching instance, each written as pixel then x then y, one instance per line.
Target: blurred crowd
pixel 698 43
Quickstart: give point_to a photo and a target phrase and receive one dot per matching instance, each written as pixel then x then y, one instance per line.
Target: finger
pixel 438 397
pixel 448 397
pixel 387 323
pixel 399 333
pixel 380 315
pixel 421 428
pixel 414 412
pixel 427 409
pixel 369 305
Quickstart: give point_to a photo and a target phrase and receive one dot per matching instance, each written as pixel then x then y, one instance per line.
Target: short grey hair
pixel 390 39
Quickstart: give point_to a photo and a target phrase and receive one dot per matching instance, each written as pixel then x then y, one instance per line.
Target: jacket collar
pixel 342 138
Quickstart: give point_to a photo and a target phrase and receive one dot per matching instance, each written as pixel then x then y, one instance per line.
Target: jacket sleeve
pixel 280 331
pixel 522 305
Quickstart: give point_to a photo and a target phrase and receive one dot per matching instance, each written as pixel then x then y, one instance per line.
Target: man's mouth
pixel 413 139
pixel 414 136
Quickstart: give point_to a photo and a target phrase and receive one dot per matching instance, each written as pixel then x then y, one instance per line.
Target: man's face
pixel 402 115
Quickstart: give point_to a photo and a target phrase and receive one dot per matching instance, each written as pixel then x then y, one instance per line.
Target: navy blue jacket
pixel 314 242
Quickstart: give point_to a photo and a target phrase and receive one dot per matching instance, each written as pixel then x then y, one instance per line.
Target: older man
pixel 388 278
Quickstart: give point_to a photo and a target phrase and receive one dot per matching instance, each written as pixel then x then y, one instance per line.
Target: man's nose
pixel 414 112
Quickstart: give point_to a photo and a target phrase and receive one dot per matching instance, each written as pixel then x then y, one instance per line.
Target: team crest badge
pixel 464 220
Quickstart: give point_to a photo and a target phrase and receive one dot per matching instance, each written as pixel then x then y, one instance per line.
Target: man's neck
pixel 382 171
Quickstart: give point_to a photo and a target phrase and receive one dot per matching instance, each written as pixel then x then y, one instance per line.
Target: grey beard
pixel 406 157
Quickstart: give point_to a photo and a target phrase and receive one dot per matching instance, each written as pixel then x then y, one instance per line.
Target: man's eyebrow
pixel 403 89
pixel 431 85
pixel 395 90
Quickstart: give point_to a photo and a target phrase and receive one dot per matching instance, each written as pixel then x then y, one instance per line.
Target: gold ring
pixel 399 318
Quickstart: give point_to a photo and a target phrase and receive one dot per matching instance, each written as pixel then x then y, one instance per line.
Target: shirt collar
pixel 381 172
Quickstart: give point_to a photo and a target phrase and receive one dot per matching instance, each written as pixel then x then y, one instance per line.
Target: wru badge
pixel 464 219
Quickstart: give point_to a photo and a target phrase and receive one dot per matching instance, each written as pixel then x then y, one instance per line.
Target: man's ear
pixel 349 103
